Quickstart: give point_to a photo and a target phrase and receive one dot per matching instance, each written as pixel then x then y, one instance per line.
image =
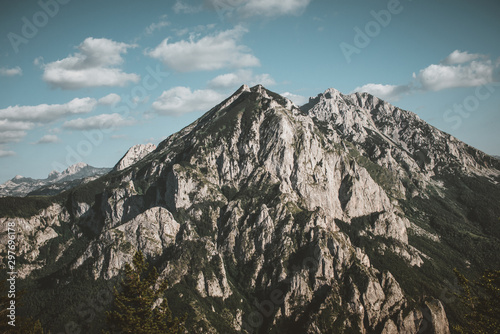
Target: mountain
pixel 347 215
pixel 55 183
pixel 134 154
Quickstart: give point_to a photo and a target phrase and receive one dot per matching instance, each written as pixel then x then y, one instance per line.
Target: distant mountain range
pixel 347 215
pixel 73 176
pixel 55 183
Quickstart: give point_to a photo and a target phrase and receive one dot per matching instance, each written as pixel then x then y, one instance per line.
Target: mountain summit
pixel 345 215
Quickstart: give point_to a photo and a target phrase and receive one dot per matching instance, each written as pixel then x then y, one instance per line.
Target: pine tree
pixel 482 299
pixel 134 308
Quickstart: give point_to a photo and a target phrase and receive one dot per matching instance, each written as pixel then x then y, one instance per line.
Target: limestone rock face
pixel 31 234
pixel 282 219
pixel 134 154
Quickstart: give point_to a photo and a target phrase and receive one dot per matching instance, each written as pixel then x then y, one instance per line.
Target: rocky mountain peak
pixel 134 154
pixel 73 169
pixel 341 207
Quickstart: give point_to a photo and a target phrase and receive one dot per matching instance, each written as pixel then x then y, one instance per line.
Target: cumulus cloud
pixel 9 72
pixel 236 79
pixel 7 125
pixel 94 65
pixel 297 99
pixel 459 69
pixel 386 92
pixel 48 139
pixel 440 76
pixel 211 52
pixel 103 121
pixel 181 100
pixel 459 57
pixel 110 99
pixel 45 113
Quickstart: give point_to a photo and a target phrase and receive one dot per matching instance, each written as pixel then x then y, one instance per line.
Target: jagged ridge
pixel 332 206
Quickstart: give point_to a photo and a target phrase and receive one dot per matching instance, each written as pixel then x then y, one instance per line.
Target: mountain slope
pixel 347 215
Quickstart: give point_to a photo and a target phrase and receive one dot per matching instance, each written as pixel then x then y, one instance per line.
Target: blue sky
pixel 85 80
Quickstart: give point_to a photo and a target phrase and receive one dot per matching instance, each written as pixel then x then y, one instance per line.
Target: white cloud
pixel 438 77
pixel 95 65
pixel 157 25
pixel 212 52
pixel 45 113
pixel 386 92
pixel 236 79
pixel 273 7
pixel 184 8
pixel 11 136
pixel 4 153
pixel 266 8
pixel 7 125
pixel 181 100
pixel 9 72
pixel 459 69
pixel 47 139
pixel 104 121
pixel 297 99
pixel 110 99
pixel 459 57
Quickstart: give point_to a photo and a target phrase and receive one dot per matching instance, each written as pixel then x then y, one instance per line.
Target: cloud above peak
pixel 96 64
pixel 466 74
pixel 211 52
pixel 181 100
pixel 385 92
pixel 459 69
pixel 240 77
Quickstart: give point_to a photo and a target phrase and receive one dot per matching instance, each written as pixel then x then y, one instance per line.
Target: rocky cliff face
pixel 134 154
pixel 267 218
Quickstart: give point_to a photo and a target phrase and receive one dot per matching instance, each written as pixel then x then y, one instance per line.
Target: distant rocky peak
pixel 332 94
pixel 134 154
pixel 73 169
pixel 274 99
pixel 53 175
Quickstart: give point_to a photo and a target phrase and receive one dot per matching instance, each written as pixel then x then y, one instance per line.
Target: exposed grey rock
pixel 134 154
pixel 288 213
